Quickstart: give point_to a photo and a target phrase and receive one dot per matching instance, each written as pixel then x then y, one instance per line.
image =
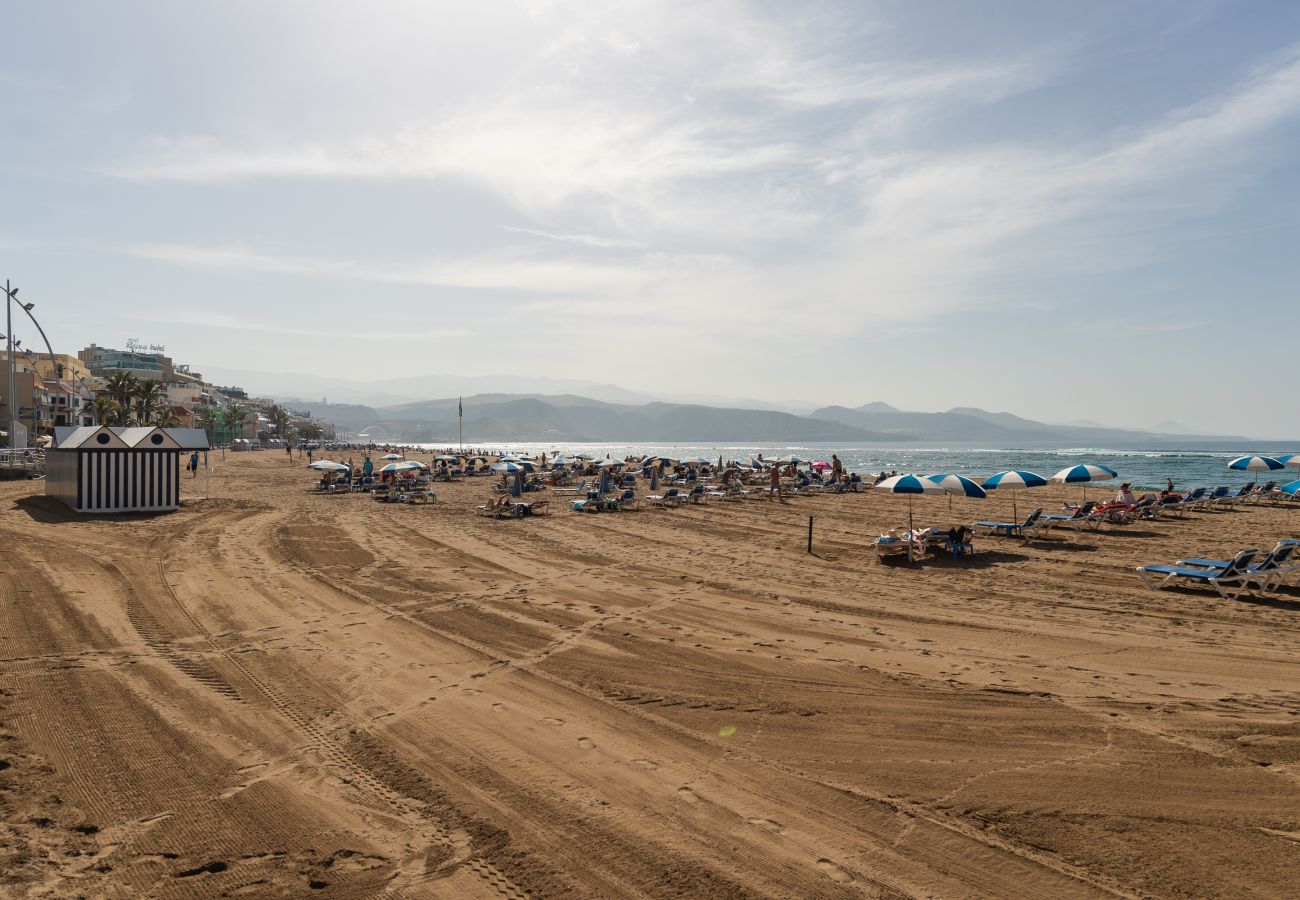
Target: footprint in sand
pixel 688 795
pixel 646 763
pixel 767 825
pixel 471 691
pixel 551 720
pixel 834 872
pixel 498 707
pixel 586 744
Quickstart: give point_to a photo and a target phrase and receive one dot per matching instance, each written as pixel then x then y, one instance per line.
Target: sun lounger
pixel 494 509
pixel 1229 579
pixel 574 491
pixel 670 497
pixel 1268 573
pixel 1032 525
pixel 1082 515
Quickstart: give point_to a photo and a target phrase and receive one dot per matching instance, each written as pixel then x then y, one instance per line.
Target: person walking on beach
pixel 309 453
pixel 774 484
pixel 837 469
pixel 288 451
pixel 194 464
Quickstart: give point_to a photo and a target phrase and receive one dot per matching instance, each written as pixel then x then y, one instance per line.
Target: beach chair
pixel 495 508
pixel 1082 515
pixel 1213 497
pixel 670 497
pixel 696 494
pixel 1229 579
pixel 626 500
pixel 1031 526
pixel 572 491
pixel 1268 573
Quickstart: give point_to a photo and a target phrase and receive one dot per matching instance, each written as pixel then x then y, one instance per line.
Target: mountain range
pixel 573 418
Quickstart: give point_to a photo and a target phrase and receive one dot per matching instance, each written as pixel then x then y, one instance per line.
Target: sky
pixel 1064 210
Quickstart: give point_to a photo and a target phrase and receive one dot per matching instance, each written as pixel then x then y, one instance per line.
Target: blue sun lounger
pixel 1235 573
pixel 1015 529
pixel 1269 572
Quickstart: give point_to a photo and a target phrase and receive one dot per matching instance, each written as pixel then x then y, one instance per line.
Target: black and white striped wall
pixel 115 481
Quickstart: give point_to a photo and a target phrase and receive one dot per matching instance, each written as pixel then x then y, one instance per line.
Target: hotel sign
pixel 135 345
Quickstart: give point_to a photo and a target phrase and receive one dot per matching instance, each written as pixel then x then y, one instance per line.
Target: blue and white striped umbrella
pixel 1293 488
pixel 402 467
pixel 958 484
pixel 1013 481
pixel 509 468
pixel 1256 464
pixel 1289 459
pixel 911 485
pixel 1082 474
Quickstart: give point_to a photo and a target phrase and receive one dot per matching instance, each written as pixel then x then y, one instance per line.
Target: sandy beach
pixel 276 692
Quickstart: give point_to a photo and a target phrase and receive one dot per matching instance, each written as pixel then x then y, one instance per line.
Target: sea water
pixel 1144 468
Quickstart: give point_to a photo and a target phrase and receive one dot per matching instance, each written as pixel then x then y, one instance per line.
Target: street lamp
pixel 10 294
pixel 11 297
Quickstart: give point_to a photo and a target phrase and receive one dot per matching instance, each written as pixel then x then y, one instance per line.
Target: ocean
pixel 1144 468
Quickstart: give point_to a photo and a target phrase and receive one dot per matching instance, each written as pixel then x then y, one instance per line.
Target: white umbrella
pixel 1256 464
pixel 910 485
pixel 391 456
pixel 402 467
pixel 1013 481
pixel 957 484
pixel 696 461
pixel 1083 474
pixel 327 465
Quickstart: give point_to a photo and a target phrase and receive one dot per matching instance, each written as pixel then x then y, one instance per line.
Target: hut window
pixel 102 438
pixel 157 439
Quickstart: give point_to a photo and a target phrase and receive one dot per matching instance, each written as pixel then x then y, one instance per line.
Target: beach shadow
pixel 1070 546
pixel 49 511
pixel 1273 602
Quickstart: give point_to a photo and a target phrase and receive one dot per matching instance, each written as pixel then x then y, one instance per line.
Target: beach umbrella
pixel 1013 481
pixel 657 461
pixel 958 485
pixel 790 460
pixel 445 458
pixel 608 464
pixel 516 486
pixel 401 467
pixel 327 465
pixel 391 456
pixel 604 480
pixel 1256 464
pixel 654 478
pixel 820 466
pixel 1289 459
pixel 1083 474
pixel 507 467
pixel 587 457
pixel 696 461
pixel 416 464
pixel 1293 488
pixel 911 485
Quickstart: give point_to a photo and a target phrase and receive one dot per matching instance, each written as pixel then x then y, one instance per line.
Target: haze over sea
pixel 1144 468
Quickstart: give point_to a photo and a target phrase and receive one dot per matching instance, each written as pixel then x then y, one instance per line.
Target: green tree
pixel 165 418
pixel 121 387
pixel 148 397
pixel 232 420
pixel 105 406
pixel 280 418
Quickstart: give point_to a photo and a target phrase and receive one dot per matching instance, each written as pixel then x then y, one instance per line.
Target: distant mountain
pixel 569 417
pixel 971 424
pixel 573 417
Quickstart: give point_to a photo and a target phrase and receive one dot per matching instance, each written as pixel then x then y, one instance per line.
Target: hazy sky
pixel 1066 210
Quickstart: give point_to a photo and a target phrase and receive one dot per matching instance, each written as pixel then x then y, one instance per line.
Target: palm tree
pixel 232 419
pixel 165 418
pixel 104 408
pixel 121 387
pixel 147 397
pixel 280 418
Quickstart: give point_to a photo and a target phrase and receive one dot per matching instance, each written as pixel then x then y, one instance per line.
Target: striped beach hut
pixel 98 469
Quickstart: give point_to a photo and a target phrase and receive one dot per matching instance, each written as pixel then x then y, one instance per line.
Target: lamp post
pixel 11 296
pixel 12 399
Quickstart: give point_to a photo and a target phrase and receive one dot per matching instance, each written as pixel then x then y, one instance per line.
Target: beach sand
pixel 276 692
